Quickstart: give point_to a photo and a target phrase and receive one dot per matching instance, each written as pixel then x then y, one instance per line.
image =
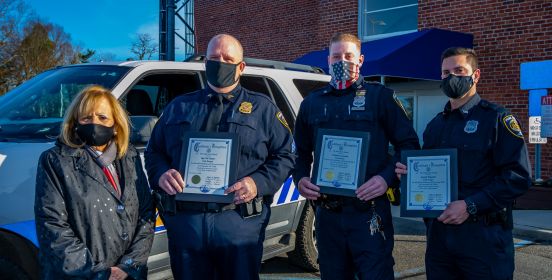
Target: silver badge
pixel 359 101
pixel 471 126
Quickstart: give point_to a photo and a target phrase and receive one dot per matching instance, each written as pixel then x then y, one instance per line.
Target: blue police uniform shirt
pixel 363 106
pixel 493 162
pixel 265 142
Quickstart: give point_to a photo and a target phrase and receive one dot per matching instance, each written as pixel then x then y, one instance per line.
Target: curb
pixel 532 233
pixel 415 226
pixel 410 273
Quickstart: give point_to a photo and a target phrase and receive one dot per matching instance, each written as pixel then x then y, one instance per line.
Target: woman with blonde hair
pixel 93 207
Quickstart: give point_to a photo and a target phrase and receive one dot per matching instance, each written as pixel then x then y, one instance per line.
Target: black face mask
pixel 220 74
pixel 456 86
pixel 95 134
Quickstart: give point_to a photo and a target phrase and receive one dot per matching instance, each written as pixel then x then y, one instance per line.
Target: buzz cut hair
pixel 471 56
pixel 231 39
pixel 345 37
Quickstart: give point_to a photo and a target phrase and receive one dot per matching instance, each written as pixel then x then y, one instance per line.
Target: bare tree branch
pixel 143 46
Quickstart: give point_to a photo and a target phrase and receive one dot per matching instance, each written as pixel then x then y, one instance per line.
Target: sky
pixel 106 26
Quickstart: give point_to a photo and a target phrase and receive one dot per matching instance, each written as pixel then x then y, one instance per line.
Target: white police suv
pixel 30 117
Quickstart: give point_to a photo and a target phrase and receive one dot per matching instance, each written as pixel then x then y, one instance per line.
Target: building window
pixel 421 103
pixel 408 105
pixel 380 19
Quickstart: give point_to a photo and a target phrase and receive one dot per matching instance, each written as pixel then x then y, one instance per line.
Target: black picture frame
pixel 361 172
pixel 232 161
pixel 453 192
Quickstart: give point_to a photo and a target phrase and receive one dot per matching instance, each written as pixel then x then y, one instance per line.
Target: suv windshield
pixel 34 110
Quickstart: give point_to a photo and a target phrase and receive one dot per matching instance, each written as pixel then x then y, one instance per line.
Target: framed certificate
pixel 208 165
pixel 431 183
pixel 340 159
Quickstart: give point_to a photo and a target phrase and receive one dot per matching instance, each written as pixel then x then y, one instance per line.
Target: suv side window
pixel 282 103
pixel 270 88
pixel 153 92
pixel 307 86
pixel 255 83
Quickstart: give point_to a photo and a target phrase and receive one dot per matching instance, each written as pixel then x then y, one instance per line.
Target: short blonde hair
pixel 345 37
pixel 82 105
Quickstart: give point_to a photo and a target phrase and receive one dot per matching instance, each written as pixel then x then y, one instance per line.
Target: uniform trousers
pixel 472 250
pixel 347 249
pixel 224 245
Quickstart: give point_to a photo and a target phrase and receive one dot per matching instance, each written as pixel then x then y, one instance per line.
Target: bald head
pixel 225 48
pixel 224 64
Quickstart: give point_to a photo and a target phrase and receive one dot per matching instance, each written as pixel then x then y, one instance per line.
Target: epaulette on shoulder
pixel 183 98
pixel 319 91
pixel 261 96
pixel 322 90
pixel 492 106
pixel 373 83
pixel 379 88
pixel 188 96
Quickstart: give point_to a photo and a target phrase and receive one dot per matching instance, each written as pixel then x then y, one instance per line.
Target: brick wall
pixel 506 33
pixel 279 30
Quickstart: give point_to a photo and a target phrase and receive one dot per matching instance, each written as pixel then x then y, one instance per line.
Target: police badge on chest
pixel 359 101
pixel 471 126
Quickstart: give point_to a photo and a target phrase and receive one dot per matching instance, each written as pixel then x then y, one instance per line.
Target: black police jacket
pixel 364 106
pixel 493 162
pixel 265 142
pixel 83 228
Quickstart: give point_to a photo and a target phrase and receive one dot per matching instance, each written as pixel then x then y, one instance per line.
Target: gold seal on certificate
pixel 208 166
pixel 340 161
pixel 430 184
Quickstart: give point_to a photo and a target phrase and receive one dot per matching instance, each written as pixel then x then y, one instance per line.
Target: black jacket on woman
pixel 83 228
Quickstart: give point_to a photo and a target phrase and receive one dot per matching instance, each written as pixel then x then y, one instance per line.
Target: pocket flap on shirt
pixel 180 118
pixel 241 119
pixel 360 116
pixel 317 119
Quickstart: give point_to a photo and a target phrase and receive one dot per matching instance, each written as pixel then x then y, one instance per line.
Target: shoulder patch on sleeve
pixel 512 125
pixel 282 120
pixel 400 105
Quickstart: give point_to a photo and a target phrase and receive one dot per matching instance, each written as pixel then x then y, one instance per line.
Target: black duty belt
pixel 490 218
pixel 210 207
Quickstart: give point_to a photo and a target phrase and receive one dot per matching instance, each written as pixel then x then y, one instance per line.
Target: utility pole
pixel 171 13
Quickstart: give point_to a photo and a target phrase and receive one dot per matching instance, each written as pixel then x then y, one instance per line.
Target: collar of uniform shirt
pixel 230 96
pixel 470 104
pixel 465 109
pixel 357 84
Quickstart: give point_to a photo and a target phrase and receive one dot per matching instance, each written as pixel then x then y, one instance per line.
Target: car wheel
pixel 9 270
pixel 305 254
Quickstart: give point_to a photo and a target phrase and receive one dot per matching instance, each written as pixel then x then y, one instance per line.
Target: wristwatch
pixel 470 207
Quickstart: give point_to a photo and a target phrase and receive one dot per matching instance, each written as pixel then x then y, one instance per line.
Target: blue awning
pixel 414 55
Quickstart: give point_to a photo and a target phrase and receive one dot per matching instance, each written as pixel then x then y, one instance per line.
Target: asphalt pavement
pixel 533 242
